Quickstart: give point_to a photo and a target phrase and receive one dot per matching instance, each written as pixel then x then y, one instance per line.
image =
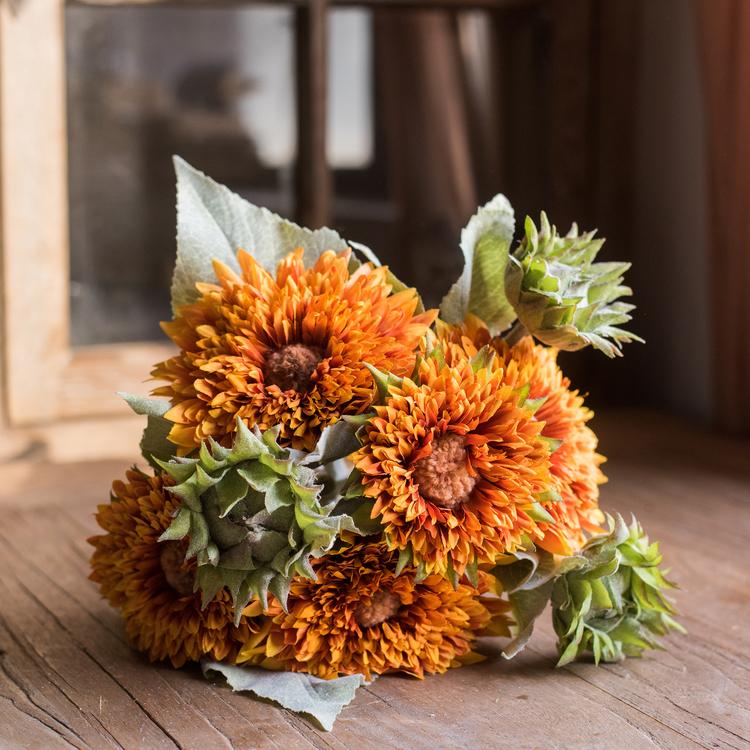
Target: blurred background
pixel 392 121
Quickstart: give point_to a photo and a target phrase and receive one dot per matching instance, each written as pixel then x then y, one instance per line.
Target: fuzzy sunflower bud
pixel 613 605
pixel 562 296
pixel 254 516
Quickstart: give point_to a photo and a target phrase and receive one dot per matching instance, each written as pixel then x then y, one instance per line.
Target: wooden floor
pixel 68 679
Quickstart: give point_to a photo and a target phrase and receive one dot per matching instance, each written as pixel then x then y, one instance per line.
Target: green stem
pixel 516 333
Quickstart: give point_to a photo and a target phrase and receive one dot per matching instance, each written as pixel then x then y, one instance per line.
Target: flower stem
pixel 516 333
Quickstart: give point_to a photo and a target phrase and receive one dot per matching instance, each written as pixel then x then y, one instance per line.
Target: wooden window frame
pixel 44 378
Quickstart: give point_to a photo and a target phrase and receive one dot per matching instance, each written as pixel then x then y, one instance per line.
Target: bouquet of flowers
pixel 343 484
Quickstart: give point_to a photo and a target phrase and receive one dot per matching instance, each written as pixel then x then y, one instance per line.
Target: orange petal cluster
pixel 430 628
pixel 575 464
pixel 160 621
pixel 228 335
pixel 505 455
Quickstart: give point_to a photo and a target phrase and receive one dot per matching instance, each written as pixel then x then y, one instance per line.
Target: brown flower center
pixel 443 476
pixel 172 561
pixel 292 366
pixel 383 605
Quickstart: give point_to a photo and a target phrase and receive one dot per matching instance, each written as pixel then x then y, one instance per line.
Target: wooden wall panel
pixel 33 191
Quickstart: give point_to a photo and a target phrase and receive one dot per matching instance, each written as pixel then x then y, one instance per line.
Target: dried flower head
pixel 455 462
pixel 358 616
pixel 575 464
pixel 286 351
pixel 150 582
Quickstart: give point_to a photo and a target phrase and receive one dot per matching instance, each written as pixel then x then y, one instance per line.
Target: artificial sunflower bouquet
pixel 343 484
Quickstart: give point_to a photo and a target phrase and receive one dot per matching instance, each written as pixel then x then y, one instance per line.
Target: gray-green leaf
pixel 485 243
pixel 319 700
pixel 154 443
pixel 213 223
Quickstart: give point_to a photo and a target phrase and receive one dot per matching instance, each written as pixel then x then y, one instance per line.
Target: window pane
pixel 212 85
pixel 413 135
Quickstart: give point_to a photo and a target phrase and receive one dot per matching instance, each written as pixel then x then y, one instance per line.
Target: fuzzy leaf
pixel 338 440
pixel 154 443
pixel 485 244
pixel 319 700
pixel 362 518
pixel 516 570
pixel 213 223
pixel 527 606
pixel 529 581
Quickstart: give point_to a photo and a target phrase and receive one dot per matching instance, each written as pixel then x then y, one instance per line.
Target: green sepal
pixel 451 574
pixel 550 495
pixel 615 605
pixel 179 469
pixel 534 404
pixel 536 512
pixel 254 515
pixel 552 443
pixel 229 491
pixel 421 573
pixel 562 296
pixel 405 556
pixel 179 528
pixel 438 355
pixel 527 578
pixel 384 382
pixel 198 534
pixel 482 360
pixel 522 394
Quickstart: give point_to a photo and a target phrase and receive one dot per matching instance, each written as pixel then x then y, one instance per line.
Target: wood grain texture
pixel 33 207
pixel 69 680
pixel 94 373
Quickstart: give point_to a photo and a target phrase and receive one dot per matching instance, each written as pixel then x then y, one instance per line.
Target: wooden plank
pixel 67 678
pixel 94 373
pixel 34 207
pixel 312 175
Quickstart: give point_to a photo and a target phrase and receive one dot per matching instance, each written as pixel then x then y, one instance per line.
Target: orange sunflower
pixel 360 617
pixel 152 585
pixel 575 463
pixel 455 465
pixel 288 351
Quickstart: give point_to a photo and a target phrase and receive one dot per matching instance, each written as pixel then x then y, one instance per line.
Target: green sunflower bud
pixel 254 515
pixel 562 296
pixel 613 605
